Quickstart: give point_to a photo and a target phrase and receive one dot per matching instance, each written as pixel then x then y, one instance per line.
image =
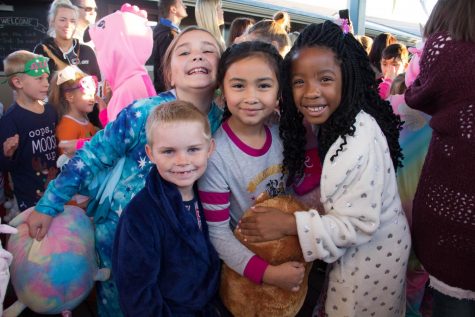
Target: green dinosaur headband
pixel 35 67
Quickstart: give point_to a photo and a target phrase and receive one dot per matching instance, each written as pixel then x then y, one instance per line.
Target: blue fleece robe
pixel 111 168
pixel 162 263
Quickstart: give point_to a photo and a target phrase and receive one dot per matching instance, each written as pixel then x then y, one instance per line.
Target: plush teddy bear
pixel 244 298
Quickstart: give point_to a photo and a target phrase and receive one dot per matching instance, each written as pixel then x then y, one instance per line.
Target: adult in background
pixel 62 19
pixel 443 224
pixel 170 13
pixel 210 16
pixel 87 16
pixel 61 45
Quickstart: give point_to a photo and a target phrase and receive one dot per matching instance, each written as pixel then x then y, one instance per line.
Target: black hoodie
pixel 82 55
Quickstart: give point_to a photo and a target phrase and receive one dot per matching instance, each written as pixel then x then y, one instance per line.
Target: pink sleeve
pixel 255 269
pixel 81 142
pixel 103 117
pixel 385 88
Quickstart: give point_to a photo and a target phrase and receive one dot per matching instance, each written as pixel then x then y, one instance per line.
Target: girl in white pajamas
pixel 360 229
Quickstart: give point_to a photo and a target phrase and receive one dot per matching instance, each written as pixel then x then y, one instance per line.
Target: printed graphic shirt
pixel 236 175
pixel 33 164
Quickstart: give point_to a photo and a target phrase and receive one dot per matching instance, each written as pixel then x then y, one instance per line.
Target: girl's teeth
pixel 319 108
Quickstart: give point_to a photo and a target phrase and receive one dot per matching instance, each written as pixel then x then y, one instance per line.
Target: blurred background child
pixel 73 93
pixel 380 42
pixel 394 60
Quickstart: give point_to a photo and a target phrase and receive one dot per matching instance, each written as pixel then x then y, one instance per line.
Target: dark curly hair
pixel 237 52
pixel 359 92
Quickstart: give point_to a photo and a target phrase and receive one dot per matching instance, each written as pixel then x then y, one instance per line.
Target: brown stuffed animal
pixel 242 297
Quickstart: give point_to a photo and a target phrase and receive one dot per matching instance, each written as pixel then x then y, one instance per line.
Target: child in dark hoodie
pixel 163 261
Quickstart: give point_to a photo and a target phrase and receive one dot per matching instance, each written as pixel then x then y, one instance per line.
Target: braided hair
pixel 359 92
pixel 237 52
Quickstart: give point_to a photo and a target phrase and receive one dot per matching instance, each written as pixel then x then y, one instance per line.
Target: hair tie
pixel 86 84
pixel 344 25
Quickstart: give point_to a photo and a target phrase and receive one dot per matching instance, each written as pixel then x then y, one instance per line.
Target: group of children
pixel 183 171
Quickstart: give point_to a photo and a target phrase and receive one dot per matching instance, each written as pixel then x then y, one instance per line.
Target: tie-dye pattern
pixel 57 273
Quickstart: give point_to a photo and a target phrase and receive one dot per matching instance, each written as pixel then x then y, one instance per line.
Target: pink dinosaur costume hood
pixel 123 43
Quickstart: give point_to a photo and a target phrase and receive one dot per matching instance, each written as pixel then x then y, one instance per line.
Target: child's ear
pixel 221 90
pixel 69 96
pixel 17 83
pixel 148 150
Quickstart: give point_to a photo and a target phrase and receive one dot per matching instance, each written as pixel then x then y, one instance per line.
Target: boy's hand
pixel 288 276
pixel 10 145
pixel 266 224
pixel 38 224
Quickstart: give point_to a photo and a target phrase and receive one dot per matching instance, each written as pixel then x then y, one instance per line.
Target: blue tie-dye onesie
pixel 110 168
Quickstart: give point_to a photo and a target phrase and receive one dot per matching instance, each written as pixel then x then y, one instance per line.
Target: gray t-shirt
pixel 236 175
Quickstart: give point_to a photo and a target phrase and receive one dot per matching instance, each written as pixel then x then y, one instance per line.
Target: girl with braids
pixel 248 159
pixel 360 228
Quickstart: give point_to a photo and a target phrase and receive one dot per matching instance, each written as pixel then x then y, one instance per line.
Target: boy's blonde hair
pixel 53 11
pixel 172 112
pixel 15 63
pixel 56 95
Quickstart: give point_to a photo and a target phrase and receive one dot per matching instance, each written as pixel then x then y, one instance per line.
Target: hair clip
pixel 345 26
pixel 86 84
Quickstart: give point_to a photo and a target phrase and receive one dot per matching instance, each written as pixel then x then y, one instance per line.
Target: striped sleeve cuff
pixel 215 206
pixel 255 269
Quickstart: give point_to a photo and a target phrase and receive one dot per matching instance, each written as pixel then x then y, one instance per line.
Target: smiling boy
pixel 163 261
